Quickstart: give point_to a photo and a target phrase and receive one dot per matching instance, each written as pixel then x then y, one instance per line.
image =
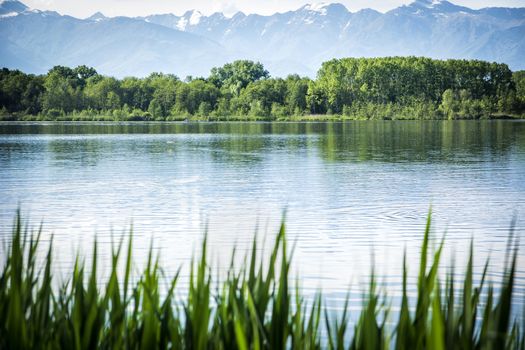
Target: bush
pixel 55 113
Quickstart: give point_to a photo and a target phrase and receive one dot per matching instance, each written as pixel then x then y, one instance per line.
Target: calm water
pixel 354 192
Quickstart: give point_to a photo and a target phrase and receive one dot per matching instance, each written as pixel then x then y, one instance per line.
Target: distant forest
pixel 348 88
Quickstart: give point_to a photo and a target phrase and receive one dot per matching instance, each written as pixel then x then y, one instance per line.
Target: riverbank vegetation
pixel 257 306
pixel 349 88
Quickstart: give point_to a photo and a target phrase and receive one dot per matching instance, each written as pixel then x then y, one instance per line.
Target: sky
pixel 85 8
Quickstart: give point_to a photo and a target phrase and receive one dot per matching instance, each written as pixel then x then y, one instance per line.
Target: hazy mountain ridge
pixel 34 41
pixel 290 42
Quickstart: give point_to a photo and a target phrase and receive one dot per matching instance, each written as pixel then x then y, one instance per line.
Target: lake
pixel 356 194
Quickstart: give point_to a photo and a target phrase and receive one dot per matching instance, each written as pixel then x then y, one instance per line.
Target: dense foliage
pixel 364 88
pixel 254 307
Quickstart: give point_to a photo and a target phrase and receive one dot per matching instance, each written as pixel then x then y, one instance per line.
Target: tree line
pixel 354 88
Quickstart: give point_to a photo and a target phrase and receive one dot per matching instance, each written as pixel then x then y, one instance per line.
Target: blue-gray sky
pixel 85 8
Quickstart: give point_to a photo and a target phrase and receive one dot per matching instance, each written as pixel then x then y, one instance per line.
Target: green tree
pixel 316 99
pixel 83 73
pixel 296 92
pixel 20 92
pixel 387 87
pixel 62 91
pixel 448 104
pixel 190 96
pixel 235 76
pixel 103 93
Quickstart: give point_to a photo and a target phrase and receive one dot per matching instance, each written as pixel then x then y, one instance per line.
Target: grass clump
pixel 254 307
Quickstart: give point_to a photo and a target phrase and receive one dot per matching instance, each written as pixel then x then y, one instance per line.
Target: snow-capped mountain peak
pixel 10 8
pixel 317 7
pixel 195 17
pixel 430 3
pixel 438 6
pixel 296 41
pixel 97 17
pixel 190 18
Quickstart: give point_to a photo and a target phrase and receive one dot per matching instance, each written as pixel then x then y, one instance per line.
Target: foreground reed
pixel 253 308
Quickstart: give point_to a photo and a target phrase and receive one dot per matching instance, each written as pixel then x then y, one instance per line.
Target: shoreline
pixel 306 118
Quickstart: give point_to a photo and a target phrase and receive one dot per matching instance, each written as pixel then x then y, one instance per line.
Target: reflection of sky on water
pixel 354 193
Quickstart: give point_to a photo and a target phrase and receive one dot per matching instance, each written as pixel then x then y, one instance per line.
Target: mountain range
pixel 290 42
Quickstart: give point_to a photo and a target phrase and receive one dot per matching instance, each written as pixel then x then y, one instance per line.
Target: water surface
pixel 354 192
